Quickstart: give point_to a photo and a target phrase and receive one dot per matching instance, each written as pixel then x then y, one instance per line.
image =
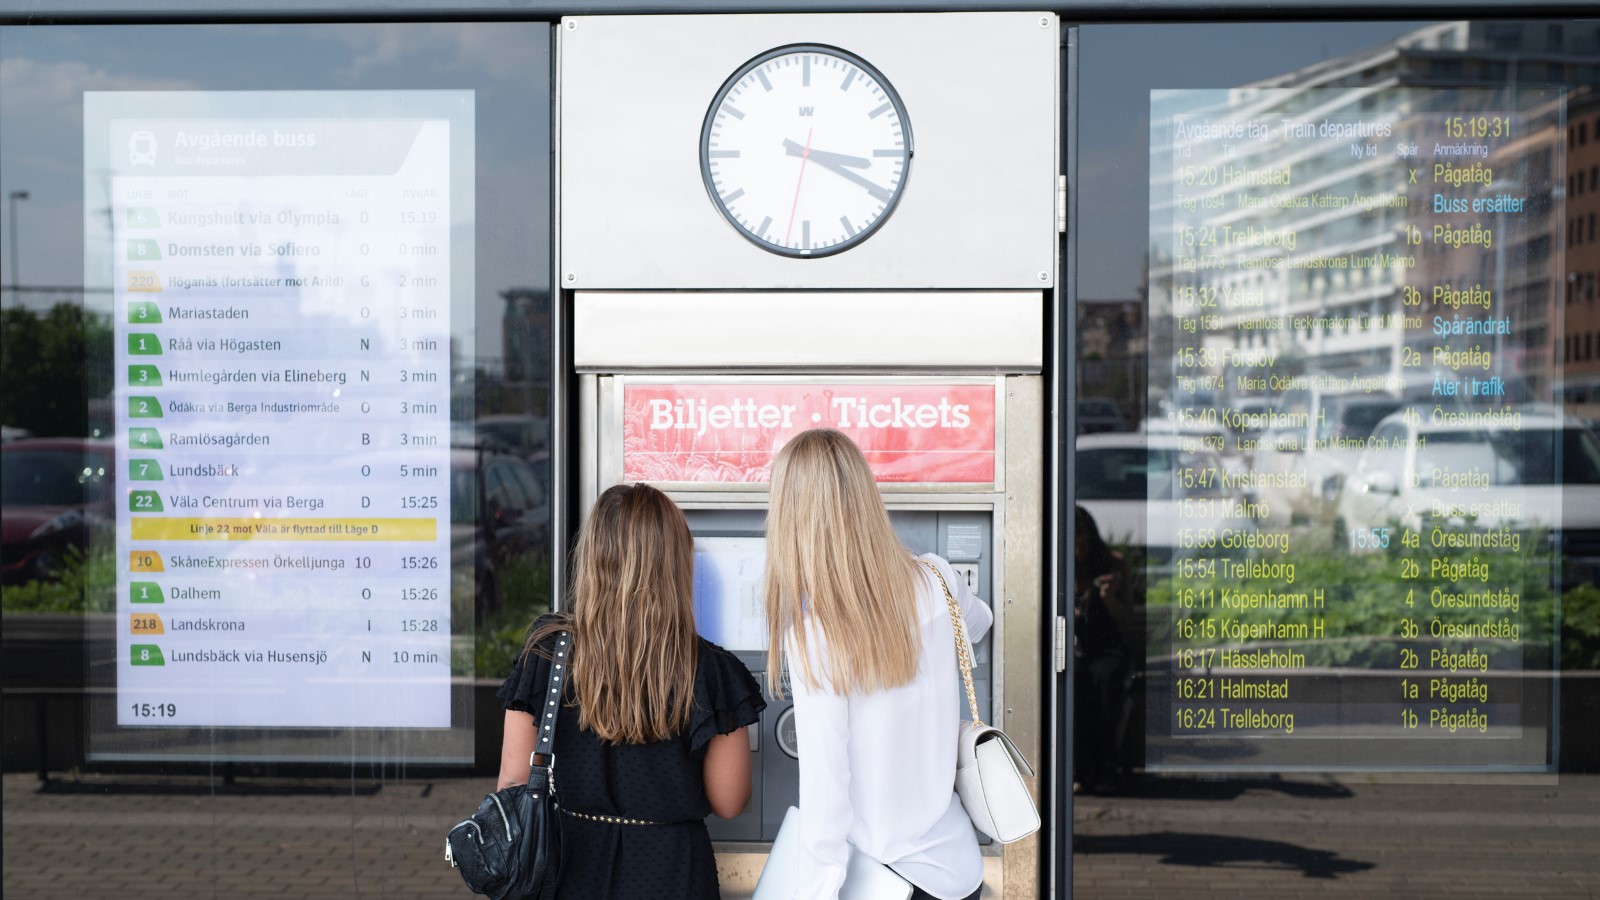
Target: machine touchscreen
pixel 728 607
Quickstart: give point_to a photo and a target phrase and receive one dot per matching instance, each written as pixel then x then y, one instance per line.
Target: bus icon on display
pixel 142 148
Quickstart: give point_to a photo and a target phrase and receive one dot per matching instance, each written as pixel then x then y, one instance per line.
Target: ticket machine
pixel 708 439
pixel 728 594
pixel 969 492
pixel 901 294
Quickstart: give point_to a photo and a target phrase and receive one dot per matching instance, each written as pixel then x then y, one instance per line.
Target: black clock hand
pixel 823 157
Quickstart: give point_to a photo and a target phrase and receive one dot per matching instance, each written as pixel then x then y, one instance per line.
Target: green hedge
pixel 88 582
pixel 1365 611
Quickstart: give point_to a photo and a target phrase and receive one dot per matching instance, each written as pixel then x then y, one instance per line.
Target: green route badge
pixel 144 312
pixel 144 470
pixel 146 655
pixel 145 501
pixel 144 408
pixel 144 439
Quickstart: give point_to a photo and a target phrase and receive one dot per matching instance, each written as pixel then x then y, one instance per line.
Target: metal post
pixel 41 721
pixel 16 280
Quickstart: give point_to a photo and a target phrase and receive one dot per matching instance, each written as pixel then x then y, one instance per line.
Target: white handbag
pixel 989 768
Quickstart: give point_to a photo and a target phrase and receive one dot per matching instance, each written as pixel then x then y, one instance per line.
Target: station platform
pixel 136 837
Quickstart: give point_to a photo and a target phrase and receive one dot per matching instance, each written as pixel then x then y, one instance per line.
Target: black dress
pixel 658 782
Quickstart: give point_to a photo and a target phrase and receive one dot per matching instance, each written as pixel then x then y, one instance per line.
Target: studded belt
pixel 610 820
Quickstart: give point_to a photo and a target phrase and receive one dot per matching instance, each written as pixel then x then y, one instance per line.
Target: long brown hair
pixel 833 558
pixel 631 613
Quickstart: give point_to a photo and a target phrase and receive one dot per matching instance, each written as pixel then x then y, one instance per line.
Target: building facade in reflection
pixel 1580 297
pixel 1333 307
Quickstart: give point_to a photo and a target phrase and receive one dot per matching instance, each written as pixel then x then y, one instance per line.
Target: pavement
pixel 1323 837
pixel 178 837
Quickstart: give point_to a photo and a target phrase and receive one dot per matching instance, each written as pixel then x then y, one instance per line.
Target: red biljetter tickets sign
pixel 730 433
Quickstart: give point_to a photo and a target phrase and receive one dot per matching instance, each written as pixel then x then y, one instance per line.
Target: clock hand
pixel 804 155
pixel 859 162
pixel 881 193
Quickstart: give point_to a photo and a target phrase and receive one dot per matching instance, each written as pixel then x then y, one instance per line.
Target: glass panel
pixel 263 339
pixel 286 270
pixel 1351 265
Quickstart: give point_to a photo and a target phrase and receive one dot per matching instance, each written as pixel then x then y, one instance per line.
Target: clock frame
pixel 806 150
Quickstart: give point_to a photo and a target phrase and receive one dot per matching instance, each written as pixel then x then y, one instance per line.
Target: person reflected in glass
pixel 866 634
pixel 1101 661
pixel 651 734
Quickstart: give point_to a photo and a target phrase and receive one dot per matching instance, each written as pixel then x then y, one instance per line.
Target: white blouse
pixel 879 769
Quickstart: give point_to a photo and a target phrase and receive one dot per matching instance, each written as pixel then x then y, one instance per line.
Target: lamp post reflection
pixel 14 196
pixel 1499 188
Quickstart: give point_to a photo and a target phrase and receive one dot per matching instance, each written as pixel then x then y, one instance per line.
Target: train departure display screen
pixel 1358 485
pixel 284 271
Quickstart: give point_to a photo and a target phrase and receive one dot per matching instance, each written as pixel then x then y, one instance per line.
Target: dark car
pixel 1098 414
pixel 499 509
pixel 513 433
pixel 53 492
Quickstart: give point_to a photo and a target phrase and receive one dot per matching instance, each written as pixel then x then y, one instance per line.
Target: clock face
pixel 805 150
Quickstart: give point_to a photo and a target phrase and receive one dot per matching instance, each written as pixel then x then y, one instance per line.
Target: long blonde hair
pixel 631 613
pixel 834 561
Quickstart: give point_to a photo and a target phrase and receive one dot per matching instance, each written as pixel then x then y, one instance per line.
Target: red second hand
pixel 804 155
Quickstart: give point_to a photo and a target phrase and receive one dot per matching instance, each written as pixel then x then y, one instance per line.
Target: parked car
pixel 1418 473
pixel 1252 411
pixel 1198 431
pixel 499 509
pixel 53 493
pixel 514 433
pixel 1098 414
pixel 1318 450
pixel 1147 490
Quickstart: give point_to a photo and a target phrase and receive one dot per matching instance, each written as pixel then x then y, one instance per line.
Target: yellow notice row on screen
pixel 150 528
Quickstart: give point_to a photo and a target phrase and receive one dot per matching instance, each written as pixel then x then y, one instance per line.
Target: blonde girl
pixel 865 631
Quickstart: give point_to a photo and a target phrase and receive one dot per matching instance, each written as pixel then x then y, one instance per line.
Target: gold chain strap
pixel 963 646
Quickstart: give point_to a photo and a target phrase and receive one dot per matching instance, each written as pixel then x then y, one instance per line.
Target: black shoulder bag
pixel 510 849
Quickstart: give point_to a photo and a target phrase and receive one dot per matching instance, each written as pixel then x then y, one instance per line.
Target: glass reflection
pixel 218 790
pixel 1365 300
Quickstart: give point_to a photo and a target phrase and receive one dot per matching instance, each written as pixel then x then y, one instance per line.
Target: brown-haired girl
pixel 651 736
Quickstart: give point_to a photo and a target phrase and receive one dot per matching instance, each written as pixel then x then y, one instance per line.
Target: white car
pixel 1313 456
pixel 1162 493
pixel 1419 472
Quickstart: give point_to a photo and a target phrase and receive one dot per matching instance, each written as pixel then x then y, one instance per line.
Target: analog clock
pixel 805 150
